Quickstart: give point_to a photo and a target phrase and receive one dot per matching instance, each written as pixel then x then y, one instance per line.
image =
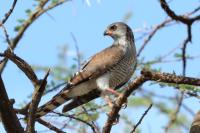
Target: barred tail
pixel 54 103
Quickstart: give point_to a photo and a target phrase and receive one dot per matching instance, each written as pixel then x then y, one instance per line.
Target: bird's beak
pixel 107 32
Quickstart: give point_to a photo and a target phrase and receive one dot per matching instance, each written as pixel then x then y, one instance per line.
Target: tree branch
pixel 23 65
pixel 139 122
pixel 145 76
pixel 34 16
pixel 78 119
pixel 195 128
pixel 50 126
pixel 34 104
pixel 173 15
pixel 7 15
pixel 152 33
pixel 8 116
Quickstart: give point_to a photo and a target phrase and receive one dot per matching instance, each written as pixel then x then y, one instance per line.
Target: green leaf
pixel 17 28
pixel 177 55
pixel 21 20
pixel 28 12
pixel 54 1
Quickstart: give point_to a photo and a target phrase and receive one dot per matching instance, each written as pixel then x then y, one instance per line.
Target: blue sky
pixel 40 42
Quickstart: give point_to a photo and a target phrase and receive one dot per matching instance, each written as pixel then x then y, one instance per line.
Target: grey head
pixel 119 30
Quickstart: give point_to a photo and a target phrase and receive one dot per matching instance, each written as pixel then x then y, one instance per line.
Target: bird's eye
pixel 113 28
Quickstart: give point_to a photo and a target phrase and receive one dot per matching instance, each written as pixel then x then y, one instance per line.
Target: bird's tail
pixel 54 103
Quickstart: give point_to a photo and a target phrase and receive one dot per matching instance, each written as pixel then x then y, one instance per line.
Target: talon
pixel 109 101
pixel 116 120
pixel 124 105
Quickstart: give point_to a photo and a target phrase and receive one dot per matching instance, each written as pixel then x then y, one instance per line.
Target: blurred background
pixel 70 33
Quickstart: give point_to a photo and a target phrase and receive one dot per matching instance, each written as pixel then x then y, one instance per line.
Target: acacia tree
pixel 84 112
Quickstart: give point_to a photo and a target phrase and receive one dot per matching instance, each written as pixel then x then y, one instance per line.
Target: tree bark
pixel 8 116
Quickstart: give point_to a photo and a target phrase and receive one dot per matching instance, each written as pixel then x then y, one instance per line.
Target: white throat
pixel 121 41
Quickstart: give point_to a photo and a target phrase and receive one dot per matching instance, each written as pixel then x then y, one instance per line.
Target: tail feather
pixel 52 104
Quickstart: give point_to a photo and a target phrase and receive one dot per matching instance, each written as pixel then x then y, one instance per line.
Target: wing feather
pixel 99 64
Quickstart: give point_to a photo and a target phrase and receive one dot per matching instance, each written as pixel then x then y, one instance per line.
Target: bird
pixel 105 71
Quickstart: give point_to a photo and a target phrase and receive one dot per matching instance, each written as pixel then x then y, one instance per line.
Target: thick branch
pixel 145 76
pixel 195 128
pixel 8 116
pixel 23 65
pixel 169 78
pixel 173 15
pixel 118 104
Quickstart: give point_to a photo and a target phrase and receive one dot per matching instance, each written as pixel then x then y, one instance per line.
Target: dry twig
pixel 94 129
pixel 50 126
pixel 7 15
pixel 34 104
pixel 39 10
pixel 139 122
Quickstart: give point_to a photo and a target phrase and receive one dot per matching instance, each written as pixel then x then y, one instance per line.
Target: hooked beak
pixel 107 32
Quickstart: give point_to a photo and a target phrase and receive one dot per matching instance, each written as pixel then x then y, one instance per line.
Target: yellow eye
pixel 113 27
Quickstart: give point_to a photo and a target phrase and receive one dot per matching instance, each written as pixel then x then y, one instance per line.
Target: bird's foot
pixel 108 101
pixel 124 105
pixel 116 119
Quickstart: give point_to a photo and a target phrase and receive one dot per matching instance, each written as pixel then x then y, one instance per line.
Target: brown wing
pixel 98 64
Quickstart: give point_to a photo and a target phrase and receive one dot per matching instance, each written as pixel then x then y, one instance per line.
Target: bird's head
pixel 118 30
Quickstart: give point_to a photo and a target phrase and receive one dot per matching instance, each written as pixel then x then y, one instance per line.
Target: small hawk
pixel 105 71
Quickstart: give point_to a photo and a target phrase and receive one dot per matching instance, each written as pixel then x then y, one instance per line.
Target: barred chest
pixel 122 72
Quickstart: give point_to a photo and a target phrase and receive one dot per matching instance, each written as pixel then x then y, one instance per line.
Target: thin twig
pixel 152 33
pixel 88 115
pixel 34 104
pixel 185 42
pixel 139 122
pixel 175 113
pixel 78 55
pixel 50 126
pixel 78 119
pixel 55 87
pixel 34 16
pixel 7 37
pixel 7 15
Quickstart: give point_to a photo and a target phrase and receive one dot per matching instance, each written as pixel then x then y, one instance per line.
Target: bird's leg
pixel 116 94
pixel 113 91
pixel 107 99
